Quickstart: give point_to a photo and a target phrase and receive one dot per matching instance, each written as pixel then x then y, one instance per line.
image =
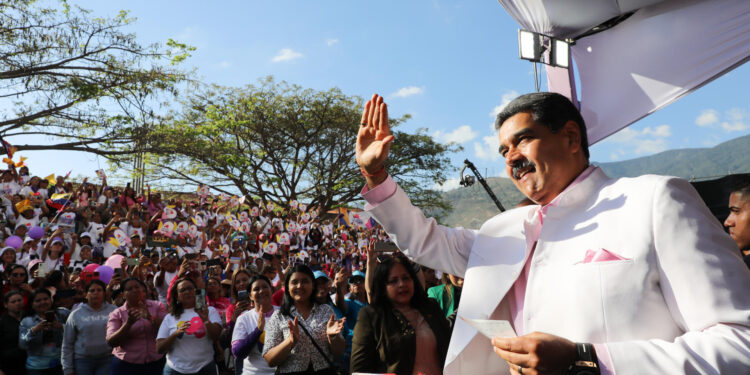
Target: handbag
pixel 335 370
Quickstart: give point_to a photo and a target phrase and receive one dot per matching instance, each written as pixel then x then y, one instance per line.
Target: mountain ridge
pixel 472 206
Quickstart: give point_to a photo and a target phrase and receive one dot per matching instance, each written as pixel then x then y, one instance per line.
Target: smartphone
pixel 242 295
pixel 385 247
pixel 200 300
pixel 133 262
pixel 191 256
pixel 203 265
pixel 213 262
pixel 146 252
pixel 118 272
pixel 50 316
pixel 234 260
pixel 41 270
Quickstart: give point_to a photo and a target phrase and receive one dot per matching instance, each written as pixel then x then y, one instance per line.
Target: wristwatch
pixel 586 362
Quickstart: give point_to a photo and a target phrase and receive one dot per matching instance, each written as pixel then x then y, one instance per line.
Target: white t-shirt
pixel 254 363
pixel 164 288
pixel 191 351
pixel 10 188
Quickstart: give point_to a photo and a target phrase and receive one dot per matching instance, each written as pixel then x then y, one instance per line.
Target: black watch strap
pixel 586 362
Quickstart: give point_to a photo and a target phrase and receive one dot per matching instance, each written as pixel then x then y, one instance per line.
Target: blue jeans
pixel 120 367
pixel 92 366
pixel 209 369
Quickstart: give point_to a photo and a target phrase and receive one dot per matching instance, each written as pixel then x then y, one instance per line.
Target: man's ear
pixel 572 133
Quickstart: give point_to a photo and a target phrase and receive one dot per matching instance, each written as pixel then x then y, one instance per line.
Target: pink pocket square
pixel 600 255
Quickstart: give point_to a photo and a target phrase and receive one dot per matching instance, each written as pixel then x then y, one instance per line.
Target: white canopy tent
pixel 664 50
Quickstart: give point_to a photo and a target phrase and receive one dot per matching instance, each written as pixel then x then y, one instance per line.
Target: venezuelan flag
pixel 58 201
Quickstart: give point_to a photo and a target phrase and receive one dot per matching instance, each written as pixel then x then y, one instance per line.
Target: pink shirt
pixel 139 346
pixel 517 293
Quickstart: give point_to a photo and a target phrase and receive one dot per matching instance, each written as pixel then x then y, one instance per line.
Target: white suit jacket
pixel 678 303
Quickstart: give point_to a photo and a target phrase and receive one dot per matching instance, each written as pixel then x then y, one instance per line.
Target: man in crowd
pixel 738 220
pixel 631 275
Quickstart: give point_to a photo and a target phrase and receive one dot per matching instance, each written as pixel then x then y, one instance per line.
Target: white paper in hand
pixel 491 328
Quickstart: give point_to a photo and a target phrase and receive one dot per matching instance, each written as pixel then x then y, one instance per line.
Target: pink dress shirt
pixel 140 345
pixel 517 293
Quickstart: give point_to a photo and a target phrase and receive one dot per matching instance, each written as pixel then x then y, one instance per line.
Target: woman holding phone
pixel 187 333
pixel 249 333
pixel 132 329
pixel 41 335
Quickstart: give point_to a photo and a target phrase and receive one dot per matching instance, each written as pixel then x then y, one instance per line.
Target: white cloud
pixel 332 41
pixel 659 131
pixel 707 117
pixel 461 134
pixel 449 184
pixel 224 64
pixel 487 149
pixel 408 91
pixel 287 54
pixel 733 120
pixel 647 141
pixel 504 100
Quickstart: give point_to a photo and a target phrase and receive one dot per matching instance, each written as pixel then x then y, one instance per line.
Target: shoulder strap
pixel 316 344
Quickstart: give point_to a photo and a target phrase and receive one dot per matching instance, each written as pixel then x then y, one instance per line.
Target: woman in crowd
pixel 41 335
pixel 186 335
pixel 213 294
pixel 248 338
pixel 401 331
pixel 447 294
pixel 7 258
pixel 12 358
pixel 18 279
pixel 303 336
pixel 132 329
pixel 85 350
pixel 240 281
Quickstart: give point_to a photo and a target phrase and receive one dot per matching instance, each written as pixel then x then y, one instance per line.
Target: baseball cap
pixel 355 275
pixel 319 274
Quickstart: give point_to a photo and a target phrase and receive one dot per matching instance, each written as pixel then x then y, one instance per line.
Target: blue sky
pixel 449 64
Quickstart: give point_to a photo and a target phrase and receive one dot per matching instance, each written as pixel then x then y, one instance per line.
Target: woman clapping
pixel 132 329
pixel 303 336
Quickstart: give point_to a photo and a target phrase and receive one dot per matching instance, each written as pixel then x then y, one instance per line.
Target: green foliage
pixel 68 75
pixel 279 142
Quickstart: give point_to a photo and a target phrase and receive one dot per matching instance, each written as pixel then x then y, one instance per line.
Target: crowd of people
pixel 99 279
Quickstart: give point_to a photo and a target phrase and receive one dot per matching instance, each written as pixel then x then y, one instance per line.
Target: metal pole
pixel 484 183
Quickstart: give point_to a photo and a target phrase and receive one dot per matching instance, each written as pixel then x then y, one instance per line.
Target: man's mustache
pixel 521 165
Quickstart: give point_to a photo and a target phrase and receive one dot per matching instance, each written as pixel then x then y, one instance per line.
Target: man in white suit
pixel 626 276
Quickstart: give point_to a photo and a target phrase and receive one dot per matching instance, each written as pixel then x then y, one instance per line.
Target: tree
pixel 81 80
pixel 281 142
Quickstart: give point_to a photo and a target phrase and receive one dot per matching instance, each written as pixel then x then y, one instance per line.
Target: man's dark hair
pixel 741 185
pixel 549 109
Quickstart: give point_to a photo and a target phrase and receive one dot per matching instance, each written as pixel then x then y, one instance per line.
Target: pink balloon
pixel 14 242
pixel 105 273
pixel 114 261
pixel 90 267
pixel 36 232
